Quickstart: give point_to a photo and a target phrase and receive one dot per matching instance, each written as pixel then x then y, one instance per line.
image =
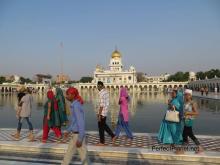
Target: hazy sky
pixel 154 36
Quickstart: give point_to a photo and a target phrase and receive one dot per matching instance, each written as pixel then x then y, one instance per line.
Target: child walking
pixel 190 112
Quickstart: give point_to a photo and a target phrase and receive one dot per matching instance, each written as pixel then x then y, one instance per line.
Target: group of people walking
pixel 177 124
pixel 57 114
pixel 204 90
pixel 123 117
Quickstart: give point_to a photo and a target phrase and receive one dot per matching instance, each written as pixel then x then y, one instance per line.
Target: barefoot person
pixel 21 93
pixel 77 128
pixel 51 118
pixel 190 113
pixel 171 132
pixel 102 114
pixel 123 116
pixel 25 102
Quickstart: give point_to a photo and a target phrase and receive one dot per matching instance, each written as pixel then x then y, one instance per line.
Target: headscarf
pixel 59 92
pixel 124 93
pixel 188 91
pixel 51 96
pixel 75 92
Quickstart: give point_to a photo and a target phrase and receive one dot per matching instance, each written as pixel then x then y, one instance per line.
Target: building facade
pixel 62 78
pixel 155 79
pixel 212 84
pixel 43 79
pixel 116 73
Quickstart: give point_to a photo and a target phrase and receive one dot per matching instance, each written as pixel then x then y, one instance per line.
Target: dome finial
pixel 116 53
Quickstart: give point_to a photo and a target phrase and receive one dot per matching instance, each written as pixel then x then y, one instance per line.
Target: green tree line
pixel 184 76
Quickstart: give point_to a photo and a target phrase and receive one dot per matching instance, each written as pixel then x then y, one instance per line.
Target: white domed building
pixel 192 76
pixel 115 74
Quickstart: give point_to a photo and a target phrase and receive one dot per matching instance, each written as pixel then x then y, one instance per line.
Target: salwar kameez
pixel 123 125
pixel 123 117
pixel 46 130
pixel 171 132
pixel 54 123
pixel 61 106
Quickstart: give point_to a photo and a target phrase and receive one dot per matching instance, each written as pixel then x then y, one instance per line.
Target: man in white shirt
pixel 102 114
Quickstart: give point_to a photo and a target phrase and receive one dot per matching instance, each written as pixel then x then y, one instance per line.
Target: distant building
pixel 192 76
pixel 155 79
pixel 12 78
pixel 115 74
pixel 62 78
pixel 43 79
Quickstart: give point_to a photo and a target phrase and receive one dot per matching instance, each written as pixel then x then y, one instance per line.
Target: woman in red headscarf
pixel 77 127
pixel 51 117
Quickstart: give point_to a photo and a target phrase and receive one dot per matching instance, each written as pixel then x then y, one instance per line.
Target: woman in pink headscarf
pixel 123 117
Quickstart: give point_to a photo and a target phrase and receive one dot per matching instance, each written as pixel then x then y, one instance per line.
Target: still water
pixel 146 111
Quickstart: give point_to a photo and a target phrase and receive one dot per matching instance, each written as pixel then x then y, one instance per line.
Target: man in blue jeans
pixel 24 113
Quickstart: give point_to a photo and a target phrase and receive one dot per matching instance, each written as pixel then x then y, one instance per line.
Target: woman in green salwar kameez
pixel 61 106
pixel 51 118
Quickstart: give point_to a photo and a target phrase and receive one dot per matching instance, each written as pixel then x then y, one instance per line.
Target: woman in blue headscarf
pixel 171 132
pixel 181 100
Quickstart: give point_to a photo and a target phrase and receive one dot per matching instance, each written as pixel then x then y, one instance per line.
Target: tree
pixel 25 80
pixel 2 79
pixel 209 74
pixel 140 77
pixel 179 77
pixel 200 75
pixel 86 79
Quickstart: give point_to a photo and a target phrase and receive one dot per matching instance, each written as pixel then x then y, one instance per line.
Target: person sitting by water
pixel 77 128
pixel 171 132
pixel 123 116
pixel 25 102
pixel 51 118
pixel 190 113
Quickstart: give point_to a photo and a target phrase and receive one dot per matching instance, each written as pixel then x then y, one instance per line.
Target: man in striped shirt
pixel 102 114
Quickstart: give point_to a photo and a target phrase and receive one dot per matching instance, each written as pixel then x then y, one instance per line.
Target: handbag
pixel 172 116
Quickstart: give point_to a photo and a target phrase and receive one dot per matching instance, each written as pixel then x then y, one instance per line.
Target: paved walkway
pixel 211 95
pixel 144 146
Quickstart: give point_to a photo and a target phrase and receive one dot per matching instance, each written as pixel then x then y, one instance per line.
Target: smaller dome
pixel 192 74
pixel 116 54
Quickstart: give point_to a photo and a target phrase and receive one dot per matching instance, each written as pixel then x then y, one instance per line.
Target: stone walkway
pixel 145 141
pixel 143 146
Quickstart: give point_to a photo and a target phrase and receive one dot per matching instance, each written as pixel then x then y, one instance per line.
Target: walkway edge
pixel 111 152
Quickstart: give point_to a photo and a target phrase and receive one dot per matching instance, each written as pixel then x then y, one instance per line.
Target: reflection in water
pixel 137 99
pixel 146 110
pixel 209 105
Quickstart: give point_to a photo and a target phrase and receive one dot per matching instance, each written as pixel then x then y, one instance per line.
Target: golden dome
pixel 116 54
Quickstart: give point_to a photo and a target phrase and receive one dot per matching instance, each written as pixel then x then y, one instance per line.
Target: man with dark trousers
pixel 102 114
